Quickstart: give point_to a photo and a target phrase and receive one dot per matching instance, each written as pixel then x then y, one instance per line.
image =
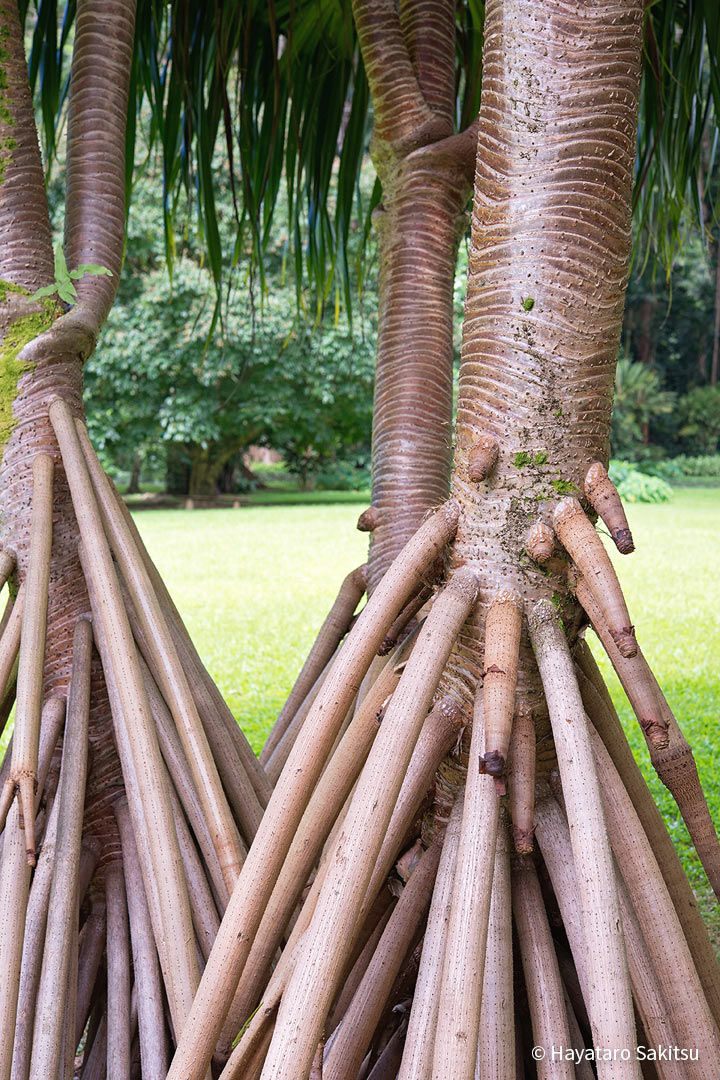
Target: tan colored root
pixel 417 1055
pixel 610 1000
pixel 68 1044
pixel 357 966
pixel 579 538
pixel 670 752
pixel 603 497
pixel 275 763
pixel 10 640
pixel 496 1035
pixel 404 619
pixel 583 1068
pixel 33 945
pixel 689 1011
pixel 168 672
pixel 482 458
pixel 553 836
pixel 292 793
pixel 118 974
pixel 14 888
pixel 540 543
pixel 352 1041
pixel 26 736
pixel 606 722
pixel 502 647
pixel 387 1065
pixel 146 967
pixel 458 1019
pixel 140 757
pixel 177 767
pixel 329 637
pixel 439 733
pixel 203 912
pixel 232 752
pixel 639 684
pixel 64 896
pixel 312 984
pixel 647 991
pixel 542 977
pixel 521 778
pixel 322 810
pixel 91 952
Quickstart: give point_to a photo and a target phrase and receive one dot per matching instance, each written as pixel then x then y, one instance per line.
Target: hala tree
pixel 547 276
pixel 500 646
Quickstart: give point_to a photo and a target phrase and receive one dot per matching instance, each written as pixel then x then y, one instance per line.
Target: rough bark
pixel 426 176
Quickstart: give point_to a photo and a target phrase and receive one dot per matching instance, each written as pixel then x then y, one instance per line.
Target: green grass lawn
pixel 254 585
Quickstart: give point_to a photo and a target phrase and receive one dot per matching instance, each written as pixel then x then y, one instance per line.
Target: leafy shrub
pixel 635 486
pixel 639 398
pixel 344 476
pixel 700 413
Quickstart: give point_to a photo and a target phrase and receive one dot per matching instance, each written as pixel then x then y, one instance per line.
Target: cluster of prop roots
pixel 285 918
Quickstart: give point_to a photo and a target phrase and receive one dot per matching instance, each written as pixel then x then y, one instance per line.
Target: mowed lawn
pixel 254 584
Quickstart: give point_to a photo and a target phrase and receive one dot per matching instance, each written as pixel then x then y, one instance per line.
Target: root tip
pixel 493 764
pixel 368 520
pixel 623 541
pixel 522 840
pixel 482 458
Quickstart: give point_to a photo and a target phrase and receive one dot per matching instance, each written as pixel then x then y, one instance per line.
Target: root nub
pixel 482 458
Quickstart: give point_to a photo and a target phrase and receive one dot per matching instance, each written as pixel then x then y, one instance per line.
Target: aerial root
pixel 606 722
pixel 586 549
pixel 460 998
pixel 542 976
pixel 496 1035
pixel 322 810
pixel 167 670
pixel 136 738
pixel 688 1009
pixel 639 684
pixel 670 752
pixel 350 1043
pixel 118 970
pixel 503 628
pixel 329 636
pixel 276 762
pixel 294 788
pixel 24 767
pixel 610 999
pixel 417 1054
pixel 146 967
pixel 63 899
pixel 90 958
pixel 408 613
pixel 602 495
pixel 521 777
pixel 313 982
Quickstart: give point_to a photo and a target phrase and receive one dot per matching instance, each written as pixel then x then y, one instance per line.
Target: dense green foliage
pixel 176 387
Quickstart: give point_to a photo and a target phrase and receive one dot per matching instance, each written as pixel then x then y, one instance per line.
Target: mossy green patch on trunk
pixel 18 333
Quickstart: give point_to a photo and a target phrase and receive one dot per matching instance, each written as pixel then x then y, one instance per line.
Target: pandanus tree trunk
pixel 525 571
pixel 137 733
pixel 426 173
